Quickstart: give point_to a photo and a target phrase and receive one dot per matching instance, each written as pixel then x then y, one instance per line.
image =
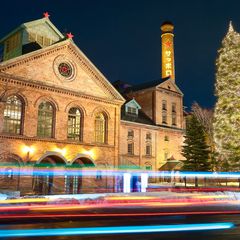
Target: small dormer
pixel 132 107
pixel 29 37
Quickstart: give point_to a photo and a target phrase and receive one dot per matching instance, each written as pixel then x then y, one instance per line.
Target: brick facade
pixel 34 77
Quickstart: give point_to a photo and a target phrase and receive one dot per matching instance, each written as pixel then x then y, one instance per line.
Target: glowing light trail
pixel 146 214
pixel 113 230
pixel 62 171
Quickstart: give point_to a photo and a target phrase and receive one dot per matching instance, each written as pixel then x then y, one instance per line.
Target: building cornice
pixel 152 126
pixel 7 78
pixel 83 60
pixel 52 140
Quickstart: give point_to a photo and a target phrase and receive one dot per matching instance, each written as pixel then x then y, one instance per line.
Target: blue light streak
pixel 114 230
pixel 26 171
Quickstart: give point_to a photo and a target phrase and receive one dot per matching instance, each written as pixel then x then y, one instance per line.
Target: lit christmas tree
pixel 226 125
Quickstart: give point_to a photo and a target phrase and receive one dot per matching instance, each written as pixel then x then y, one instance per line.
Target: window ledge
pixel 148 156
pixel 54 140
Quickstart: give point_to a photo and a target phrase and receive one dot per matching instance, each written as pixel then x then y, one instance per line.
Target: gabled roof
pixel 170 84
pixel 149 84
pixel 141 117
pixel 125 88
pixel 134 102
pixel 32 24
pixel 95 73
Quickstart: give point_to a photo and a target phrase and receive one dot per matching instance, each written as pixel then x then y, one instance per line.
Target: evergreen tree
pixel 227 110
pixel 195 149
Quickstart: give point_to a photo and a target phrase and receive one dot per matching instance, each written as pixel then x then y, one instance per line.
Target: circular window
pixel 65 69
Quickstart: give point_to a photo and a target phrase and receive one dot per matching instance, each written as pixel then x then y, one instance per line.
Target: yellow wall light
pixel 62 151
pixel 90 153
pixel 28 149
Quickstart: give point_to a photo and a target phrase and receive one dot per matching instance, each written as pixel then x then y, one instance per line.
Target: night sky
pixel 122 38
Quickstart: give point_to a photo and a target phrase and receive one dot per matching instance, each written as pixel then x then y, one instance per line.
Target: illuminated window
pixel 45 120
pixel 130 148
pixel 100 128
pixel 12 122
pixel 74 124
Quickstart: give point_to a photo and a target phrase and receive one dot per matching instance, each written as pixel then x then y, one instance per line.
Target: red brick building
pixel 57 108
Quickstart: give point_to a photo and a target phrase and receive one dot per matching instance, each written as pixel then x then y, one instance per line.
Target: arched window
pixel 100 128
pixel 45 120
pixel 13 115
pixel 74 124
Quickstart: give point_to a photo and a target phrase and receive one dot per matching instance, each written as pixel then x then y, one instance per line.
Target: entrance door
pixel 73 184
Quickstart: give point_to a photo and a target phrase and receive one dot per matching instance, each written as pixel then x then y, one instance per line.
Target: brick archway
pixel 45 182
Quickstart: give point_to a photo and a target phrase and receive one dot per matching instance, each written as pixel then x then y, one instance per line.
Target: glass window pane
pixel 45 120
pixel 100 130
pixel 74 124
pixel 12 115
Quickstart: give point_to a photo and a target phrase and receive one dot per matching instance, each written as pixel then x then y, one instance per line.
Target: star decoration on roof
pixel 70 35
pixel 168 44
pixel 46 15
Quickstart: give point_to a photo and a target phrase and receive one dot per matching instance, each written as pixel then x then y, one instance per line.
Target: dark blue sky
pixel 122 37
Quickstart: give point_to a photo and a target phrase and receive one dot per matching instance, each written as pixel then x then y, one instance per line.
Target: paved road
pixel 229 234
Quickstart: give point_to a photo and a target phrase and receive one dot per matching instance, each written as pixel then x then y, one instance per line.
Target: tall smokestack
pixel 168 67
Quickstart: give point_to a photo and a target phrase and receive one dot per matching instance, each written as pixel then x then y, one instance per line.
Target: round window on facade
pixel 65 69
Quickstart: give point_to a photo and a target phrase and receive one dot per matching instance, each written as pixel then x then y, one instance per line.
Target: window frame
pixel 105 129
pixel 52 135
pixel 131 152
pixel 22 114
pixel 132 111
pixel 80 125
pixel 148 145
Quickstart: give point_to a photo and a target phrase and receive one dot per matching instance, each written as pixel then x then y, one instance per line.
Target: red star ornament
pixel 46 15
pixel 70 35
pixel 168 44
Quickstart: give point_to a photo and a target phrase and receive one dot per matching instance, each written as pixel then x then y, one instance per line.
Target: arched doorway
pixel 44 182
pixel 73 183
pixel 11 173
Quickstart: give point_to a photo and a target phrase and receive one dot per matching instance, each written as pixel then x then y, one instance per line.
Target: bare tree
pixel 205 117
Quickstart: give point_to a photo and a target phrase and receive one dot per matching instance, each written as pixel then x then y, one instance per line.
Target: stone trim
pixel 152 126
pixel 93 72
pixel 84 62
pixel 36 139
pixel 47 87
